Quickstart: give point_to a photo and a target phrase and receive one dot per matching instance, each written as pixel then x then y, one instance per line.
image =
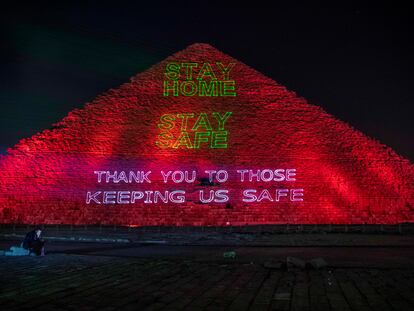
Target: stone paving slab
pixel 80 282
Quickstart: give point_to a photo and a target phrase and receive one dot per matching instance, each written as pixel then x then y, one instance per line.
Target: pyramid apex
pixel 201 45
pixel 201 48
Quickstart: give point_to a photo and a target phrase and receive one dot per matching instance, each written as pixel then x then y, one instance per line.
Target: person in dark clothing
pixel 34 242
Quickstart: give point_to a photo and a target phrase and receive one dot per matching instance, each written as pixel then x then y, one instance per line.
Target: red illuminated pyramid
pixel 346 177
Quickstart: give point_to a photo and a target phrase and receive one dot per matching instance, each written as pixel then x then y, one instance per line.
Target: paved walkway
pixel 336 256
pixel 187 271
pixel 193 236
pixel 81 282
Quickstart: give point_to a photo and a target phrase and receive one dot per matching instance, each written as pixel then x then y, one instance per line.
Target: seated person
pixel 34 242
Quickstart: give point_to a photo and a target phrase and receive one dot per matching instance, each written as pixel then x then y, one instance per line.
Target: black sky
pixel 353 60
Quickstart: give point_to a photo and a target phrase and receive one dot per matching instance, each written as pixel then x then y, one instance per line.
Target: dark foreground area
pixel 79 282
pixel 145 276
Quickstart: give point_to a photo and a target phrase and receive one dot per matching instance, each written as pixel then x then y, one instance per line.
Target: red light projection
pixel 260 156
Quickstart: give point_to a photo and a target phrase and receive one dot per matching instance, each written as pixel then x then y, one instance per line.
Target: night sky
pixel 353 60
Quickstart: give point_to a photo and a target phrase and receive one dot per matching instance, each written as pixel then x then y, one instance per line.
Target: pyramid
pixel 248 151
